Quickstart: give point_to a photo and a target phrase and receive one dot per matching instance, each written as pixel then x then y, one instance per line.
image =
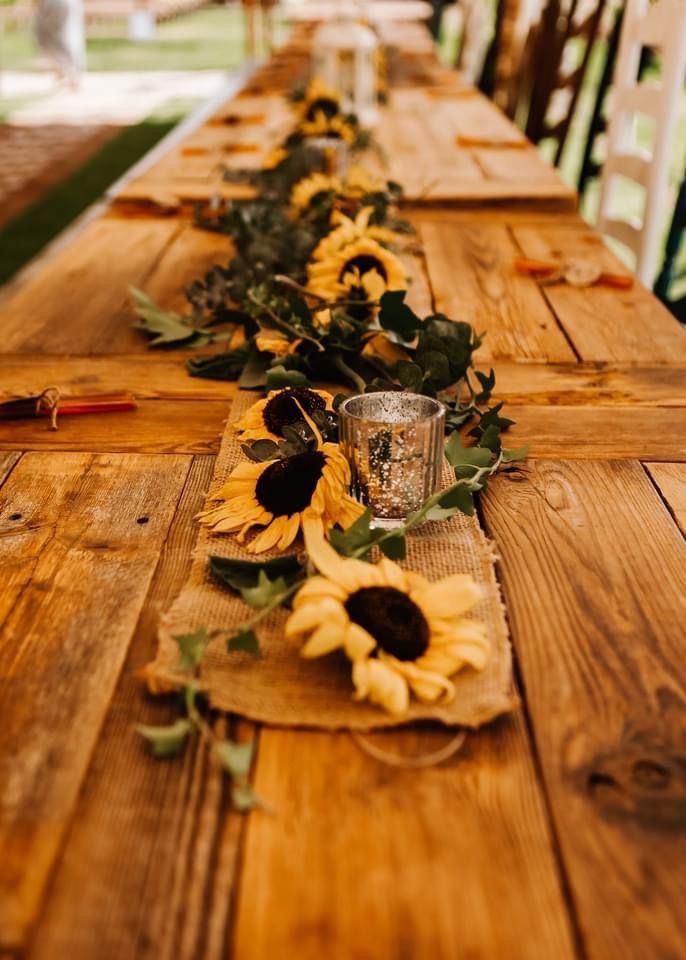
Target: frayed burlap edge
pixel 283 689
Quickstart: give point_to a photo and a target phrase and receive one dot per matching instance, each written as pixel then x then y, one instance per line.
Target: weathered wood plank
pixel 81 536
pixel 8 461
pixel 593 570
pixel 364 860
pixel 626 326
pixel 472 279
pixel 157 426
pixel 150 860
pixel 600 433
pixel 82 295
pixel 670 479
pixel 156 374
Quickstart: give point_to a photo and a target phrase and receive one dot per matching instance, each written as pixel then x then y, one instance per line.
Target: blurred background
pixel 88 87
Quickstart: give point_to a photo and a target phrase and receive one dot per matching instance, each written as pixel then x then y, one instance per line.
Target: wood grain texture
pixel 154 375
pixel 600 433
pixel 629 326
pixel 8 461
pixel 81 295
pixel 150 861
pixel 471 276
pixel 364 860
pixel 157 426
pixel 80 537
pixel 593 569
pixel 670 479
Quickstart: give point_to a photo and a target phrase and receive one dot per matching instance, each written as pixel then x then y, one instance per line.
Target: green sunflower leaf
pixel 192 647
pixel 239 574
pixel 395 315
pixel 236 758
pixel 166 741
pixel 245 641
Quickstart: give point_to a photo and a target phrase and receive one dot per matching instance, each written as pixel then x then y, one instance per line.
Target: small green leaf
pixel 237 574
pixel 394 547
pixel 395 315
pixel 459 497
pixel 278 377
pixel 166 741
pixel 458 455
pixel 236 758
pixel 490 439
pixel 245 641
pixel 192 647
pixel 253 374
pixel 346 542
pixel 265 592
pixel 487 382
pixel 165 327
pixel 243 798
pixel 260 450
pixel 520 453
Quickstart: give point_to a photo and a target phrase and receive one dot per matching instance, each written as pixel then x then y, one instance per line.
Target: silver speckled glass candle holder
pixel 393 442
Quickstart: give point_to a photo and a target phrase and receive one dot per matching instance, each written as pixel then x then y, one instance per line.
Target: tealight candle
pixel 393 442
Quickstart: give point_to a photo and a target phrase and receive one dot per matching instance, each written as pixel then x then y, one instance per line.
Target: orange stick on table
pixel 544 268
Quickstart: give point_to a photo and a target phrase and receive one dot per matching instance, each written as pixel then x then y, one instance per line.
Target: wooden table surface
pixel 558 832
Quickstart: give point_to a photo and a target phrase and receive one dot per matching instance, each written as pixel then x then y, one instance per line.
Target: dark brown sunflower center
pixel 283 410
pixel 364 263
pixel 287 486
pixel 322 105
pixel 396 622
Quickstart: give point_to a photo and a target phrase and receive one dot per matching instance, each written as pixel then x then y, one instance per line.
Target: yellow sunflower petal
pixel 316 587
pixel 325 639
pixel 314 614
pixel 380 684
pixel 451 597
pixel 358 643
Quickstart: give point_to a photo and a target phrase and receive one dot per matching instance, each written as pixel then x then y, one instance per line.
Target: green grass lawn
pixel 24 236
pixel 209 39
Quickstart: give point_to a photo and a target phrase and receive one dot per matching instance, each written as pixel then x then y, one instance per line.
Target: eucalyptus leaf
pixel 245 641
pixel 166 741
pixel 395 315
pixel 279 377
pixel 239 574
pixel 236 758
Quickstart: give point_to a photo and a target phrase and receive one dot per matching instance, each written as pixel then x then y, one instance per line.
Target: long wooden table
pixel 558 832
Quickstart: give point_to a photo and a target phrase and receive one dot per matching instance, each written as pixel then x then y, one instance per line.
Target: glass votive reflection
pixel 393 442
pixel 328 155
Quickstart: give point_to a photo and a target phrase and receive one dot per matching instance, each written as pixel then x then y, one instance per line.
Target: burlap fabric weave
pixel 283 689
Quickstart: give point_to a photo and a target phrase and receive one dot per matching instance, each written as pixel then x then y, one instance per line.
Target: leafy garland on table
pixel 316 292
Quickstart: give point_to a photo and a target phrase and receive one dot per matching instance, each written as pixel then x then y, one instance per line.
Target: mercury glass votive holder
pixel 328 155
pixel 393 442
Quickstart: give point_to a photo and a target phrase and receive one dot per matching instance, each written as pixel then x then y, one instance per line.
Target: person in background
pixel 60 33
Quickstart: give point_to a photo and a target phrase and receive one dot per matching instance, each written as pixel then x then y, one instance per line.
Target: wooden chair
pixel 555 87
pixel 667 275
pixel 659 26
pixel 477 32
pixel 590 165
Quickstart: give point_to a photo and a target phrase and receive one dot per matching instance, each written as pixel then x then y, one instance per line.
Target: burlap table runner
pixel 282 688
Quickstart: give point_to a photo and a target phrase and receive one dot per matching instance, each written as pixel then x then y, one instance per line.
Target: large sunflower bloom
pixel 363 269
pixel 280 495
pixel 334 128
pixel 319 98
pixel 266 419
pixel 347 231
pixel 311 188
pixel 360 182
pixel 401 632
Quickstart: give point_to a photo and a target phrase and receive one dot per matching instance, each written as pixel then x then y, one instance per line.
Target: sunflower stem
pixel 282 324
pixel 339 363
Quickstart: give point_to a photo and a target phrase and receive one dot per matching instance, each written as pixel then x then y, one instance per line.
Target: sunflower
pixel 266 419
pixel 362 270
pixel 274 158
pixel 347 231
pixel 312 188
pixel 401 632
pixel 280 495
pixel 333 128
pixel 359 182
pixel 319 98
pixel 273 341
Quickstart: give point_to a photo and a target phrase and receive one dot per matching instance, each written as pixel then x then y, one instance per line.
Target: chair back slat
pixel 662 27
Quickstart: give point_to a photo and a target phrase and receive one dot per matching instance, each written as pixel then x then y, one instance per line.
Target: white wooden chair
pixel 660 26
